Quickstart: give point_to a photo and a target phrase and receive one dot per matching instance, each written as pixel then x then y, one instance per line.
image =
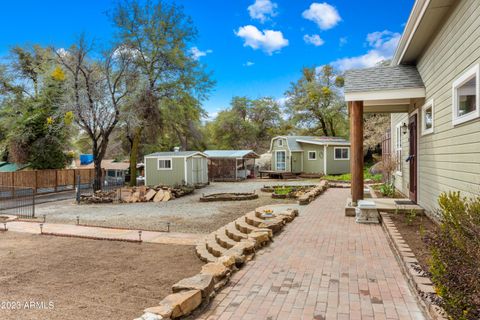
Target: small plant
pixel 283 190
pixel 410 217
pixel 388 190
pixel 455 249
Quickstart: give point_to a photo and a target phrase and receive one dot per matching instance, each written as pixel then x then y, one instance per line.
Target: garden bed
pixel 228 197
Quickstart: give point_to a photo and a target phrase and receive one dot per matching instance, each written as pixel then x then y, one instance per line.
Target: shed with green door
pixel 176 168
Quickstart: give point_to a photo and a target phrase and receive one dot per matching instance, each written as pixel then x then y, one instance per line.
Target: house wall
pixel 449 158
pixel 336 166
pixel 297 162
pixel 167 177
pixel 277 147
pixel 312 166
pixel 401 177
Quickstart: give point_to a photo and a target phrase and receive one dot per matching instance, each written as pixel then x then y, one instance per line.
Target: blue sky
pixel 254 47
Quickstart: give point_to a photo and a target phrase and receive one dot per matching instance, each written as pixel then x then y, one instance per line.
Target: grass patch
pixel 348 176
pixel 283 190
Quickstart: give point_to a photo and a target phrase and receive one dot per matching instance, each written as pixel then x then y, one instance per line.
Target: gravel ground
pixel 186 214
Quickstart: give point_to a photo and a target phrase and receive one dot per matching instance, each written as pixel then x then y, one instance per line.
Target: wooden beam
pixel 356 157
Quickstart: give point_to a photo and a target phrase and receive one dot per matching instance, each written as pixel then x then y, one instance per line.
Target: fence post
pixel 33 204
pixel 36 181
pixel 56 180
pixel 78 189
pixel 74 178
pixel 13 184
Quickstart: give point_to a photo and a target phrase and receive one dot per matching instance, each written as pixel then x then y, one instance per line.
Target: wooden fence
pixel 44 181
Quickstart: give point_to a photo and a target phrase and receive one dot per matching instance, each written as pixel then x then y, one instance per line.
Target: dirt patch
pixel 414 232
pixel 87 279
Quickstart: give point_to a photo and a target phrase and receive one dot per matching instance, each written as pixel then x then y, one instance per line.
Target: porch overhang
pixel 389 89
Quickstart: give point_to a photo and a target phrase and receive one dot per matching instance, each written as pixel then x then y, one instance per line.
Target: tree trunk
pixel 97 180
pixel 133 156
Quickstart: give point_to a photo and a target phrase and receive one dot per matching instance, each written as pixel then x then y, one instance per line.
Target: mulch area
pixel 414 232
pixel 87 279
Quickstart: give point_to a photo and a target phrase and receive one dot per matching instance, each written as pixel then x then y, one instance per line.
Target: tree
pixel 97 91
pixel 314 103
pixel 375 126
pixel 157 34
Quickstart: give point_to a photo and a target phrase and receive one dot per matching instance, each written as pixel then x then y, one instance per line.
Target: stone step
pixel 203 254
pixel 213 247
pixel 253 218
pixel 223 239
pixel 242 225
pixel 233 233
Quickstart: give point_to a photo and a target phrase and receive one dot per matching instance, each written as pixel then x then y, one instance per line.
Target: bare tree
pixel 97 89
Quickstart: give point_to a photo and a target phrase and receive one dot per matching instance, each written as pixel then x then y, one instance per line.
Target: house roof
pixel 232 154
pixel 173 154
pixel 382 78
pixel 107 164
pixel 295 142
pixel 11 167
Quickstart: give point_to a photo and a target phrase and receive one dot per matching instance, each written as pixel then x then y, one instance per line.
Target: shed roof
pixel 382 78
pixel 231 154
pixel 173 154
pixel 294 142
pixel 107 164
pixel 12 167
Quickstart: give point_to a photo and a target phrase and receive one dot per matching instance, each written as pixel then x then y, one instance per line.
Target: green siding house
pixel 176 168
pixel 306 154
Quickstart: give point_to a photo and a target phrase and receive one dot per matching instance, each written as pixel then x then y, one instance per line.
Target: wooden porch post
pixel 356 156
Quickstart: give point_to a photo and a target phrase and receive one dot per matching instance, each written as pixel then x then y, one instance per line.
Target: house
pixel 228 165
pixel 115 171
pixel 176 168
pixel 432 91
pixel 306 154
pixel 12 167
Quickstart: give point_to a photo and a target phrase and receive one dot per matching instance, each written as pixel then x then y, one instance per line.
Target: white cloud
pixel 382 45
pixel 62 52
pixel 248 64
pixel 313 39
pixel 323 14
pixel 269 41
pixel 262 10
pixel 342 41
pixel 197 53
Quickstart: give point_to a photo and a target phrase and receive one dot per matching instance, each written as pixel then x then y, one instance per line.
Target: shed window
pixel 427 118
pixel 342 153
pixel 164 164
pixel 312 155
pixel 280 142
pixel 466 92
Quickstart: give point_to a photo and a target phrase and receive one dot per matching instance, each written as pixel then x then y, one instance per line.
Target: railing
pixel 17 201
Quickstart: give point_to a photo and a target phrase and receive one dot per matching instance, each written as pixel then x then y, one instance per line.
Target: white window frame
pixel 276 160
pixel 427 105
pixel 280 142
pixel 312 152
pixel 465 77
pixel 335 153
pixel 164 159
pixel 399 149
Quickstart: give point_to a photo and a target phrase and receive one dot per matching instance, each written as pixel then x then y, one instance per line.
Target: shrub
pixel 388 190
pixel 455 262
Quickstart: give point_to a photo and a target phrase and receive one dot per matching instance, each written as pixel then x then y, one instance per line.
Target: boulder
pixel 167 196
pixel 202 281
pixel 227 260
pixel 150 316
pixel 178 304
pixel 216 269
pixel 261 237
pixel 159 196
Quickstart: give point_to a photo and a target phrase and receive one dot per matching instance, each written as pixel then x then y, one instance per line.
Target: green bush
pixel 388 190
pixel 455 262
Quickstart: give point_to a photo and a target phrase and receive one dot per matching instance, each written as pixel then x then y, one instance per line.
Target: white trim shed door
pixel 281 163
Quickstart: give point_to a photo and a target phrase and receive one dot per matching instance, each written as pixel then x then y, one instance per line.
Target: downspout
pixel 325 159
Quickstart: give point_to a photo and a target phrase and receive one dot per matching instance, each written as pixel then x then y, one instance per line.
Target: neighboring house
pixel 432 90
pixel 115 171
pixel 305 154
pixel 230 164
pixel 12 167
pixel 176 168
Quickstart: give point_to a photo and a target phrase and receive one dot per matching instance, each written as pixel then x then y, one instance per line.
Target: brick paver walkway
pixel 85 231
pixel 323 266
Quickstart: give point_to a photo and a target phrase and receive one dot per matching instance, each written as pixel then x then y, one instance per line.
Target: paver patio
pixel 323 266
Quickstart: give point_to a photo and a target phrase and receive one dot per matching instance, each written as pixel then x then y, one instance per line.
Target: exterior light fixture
pixel 404 128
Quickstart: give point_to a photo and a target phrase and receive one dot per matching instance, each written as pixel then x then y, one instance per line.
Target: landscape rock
pixel 216 269
pixel 261 237
pixel 167 196
pixel 178 304
pixel 202 281
pixel 159 196
pixel 227 260
pixel 150 316
pixel 150 194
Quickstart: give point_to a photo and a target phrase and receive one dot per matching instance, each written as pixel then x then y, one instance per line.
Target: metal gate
pixel 17 201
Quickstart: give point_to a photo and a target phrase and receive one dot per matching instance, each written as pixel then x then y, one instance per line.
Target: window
pixel 398 147
pixel 280 142
pixel 164 164
pixel 342 153
pixel 466 91
pixel 312 155
pixel 427 118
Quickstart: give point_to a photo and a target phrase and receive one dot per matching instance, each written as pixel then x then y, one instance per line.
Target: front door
pixel 412 159
pixel 281 161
